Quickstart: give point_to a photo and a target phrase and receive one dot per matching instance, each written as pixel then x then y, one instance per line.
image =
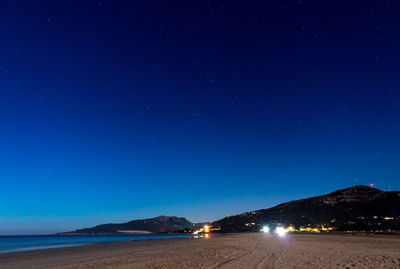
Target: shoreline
pixel 81 247
pixel 242 250
pixel 8 244
pixel 50 257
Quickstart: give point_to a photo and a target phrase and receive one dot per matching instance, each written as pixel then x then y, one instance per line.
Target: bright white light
pixel 265 229
pixel 280 231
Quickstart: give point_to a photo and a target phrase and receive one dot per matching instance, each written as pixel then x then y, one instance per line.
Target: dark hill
pixel 355 208
pixel 162 224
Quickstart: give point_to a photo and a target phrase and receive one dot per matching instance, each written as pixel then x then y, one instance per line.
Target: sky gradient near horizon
pixel 117 110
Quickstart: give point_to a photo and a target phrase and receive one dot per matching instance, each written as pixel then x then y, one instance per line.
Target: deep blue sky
pixel 116 110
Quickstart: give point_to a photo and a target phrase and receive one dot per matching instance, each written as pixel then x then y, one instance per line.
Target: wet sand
pixel 252 250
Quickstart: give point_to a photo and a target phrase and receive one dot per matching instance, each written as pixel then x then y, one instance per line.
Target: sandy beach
pixel 254 250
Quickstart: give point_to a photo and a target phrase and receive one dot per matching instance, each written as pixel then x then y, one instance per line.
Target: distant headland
pixel 358 208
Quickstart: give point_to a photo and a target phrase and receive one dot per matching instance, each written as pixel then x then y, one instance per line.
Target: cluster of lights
pixel 280 231
pixel 205 229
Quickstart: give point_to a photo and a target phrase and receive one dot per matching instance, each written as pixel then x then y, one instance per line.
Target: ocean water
pixel 34 242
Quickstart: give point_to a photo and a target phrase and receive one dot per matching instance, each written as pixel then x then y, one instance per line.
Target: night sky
pixel 117 110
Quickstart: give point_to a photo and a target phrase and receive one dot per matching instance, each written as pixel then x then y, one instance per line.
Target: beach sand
pixel 250 250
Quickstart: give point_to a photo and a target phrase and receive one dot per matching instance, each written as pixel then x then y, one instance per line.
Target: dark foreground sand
pixel 228 251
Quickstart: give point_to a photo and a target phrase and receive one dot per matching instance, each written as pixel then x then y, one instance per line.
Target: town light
pixel 290 229
pixel 280 231
pixel 265 229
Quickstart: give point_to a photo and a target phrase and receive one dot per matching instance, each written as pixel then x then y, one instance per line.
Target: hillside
pixel 161 224
pixel 355 208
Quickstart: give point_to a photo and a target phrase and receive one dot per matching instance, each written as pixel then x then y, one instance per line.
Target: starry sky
pixel 117 110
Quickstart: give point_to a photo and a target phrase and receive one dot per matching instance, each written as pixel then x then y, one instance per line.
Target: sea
pixel 35 242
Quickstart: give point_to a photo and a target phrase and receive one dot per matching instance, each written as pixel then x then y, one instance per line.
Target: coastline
pixel 229 251
pixel 10 244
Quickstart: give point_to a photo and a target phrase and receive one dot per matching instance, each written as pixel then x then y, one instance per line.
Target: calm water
pixel 34 242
